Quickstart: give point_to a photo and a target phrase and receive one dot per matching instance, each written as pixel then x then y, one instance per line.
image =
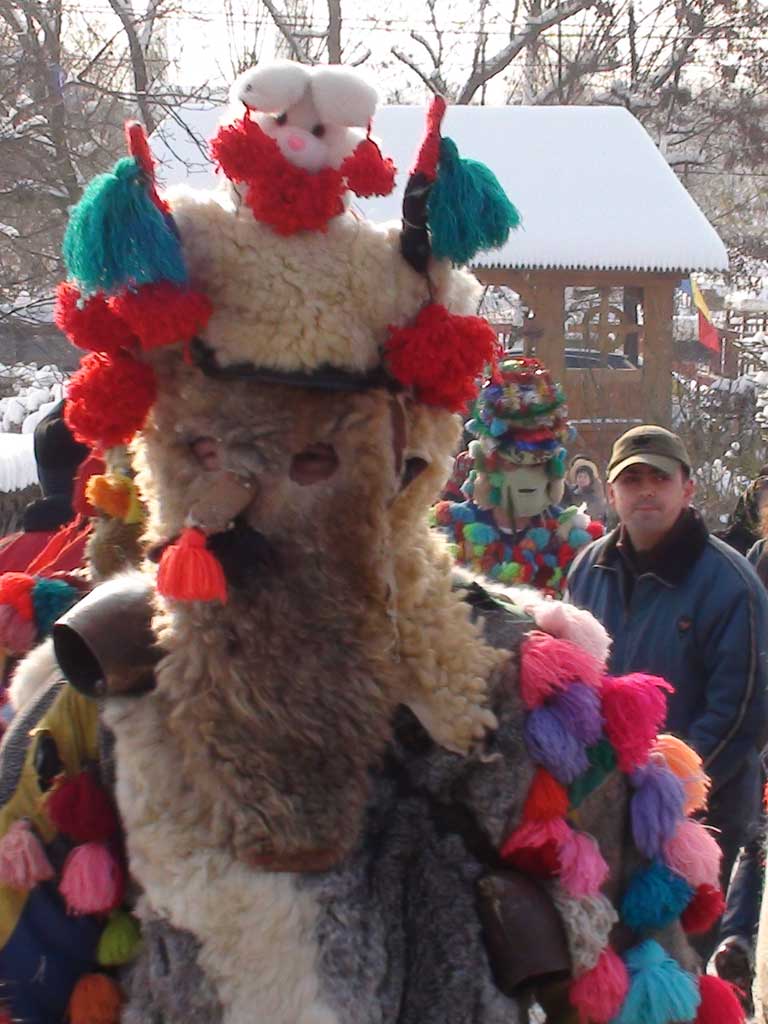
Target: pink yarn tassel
pixel 599 993
pixel 694 854
pixel 23 862
pixel 92 880
pixel 633 709
pixel 548 664
pixel 582 867
pixel 16 634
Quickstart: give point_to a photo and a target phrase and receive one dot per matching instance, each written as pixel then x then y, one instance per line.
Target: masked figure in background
pixel 512 527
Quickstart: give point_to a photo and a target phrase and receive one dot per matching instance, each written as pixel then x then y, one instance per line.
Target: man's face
pixel 648 502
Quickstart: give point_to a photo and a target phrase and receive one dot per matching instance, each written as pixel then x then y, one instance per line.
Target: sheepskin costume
pixel 511 527
pixel 359 782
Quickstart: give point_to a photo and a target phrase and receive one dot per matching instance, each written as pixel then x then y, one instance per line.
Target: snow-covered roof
pixel 594 191
pixel 18 468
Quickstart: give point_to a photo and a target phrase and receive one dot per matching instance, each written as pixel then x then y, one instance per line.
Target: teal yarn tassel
pixel 468 209
pixel 654 898
pixel 660 992
pixel 50 599
pixel 117 238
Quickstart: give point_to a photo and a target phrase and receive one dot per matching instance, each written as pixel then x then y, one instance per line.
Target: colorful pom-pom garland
pixel 574 710
pixel 540 555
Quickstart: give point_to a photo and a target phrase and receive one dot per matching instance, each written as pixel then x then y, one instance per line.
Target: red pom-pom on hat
pixel 81 809
pixel 706 907
pixel 109 399
pixel 719 1002
pixel 162 313
pixel 441 355
pixel 368 173
pixel 90 323
pixel 188 571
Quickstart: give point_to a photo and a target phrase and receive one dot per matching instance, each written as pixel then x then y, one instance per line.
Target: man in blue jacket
pixel 681 604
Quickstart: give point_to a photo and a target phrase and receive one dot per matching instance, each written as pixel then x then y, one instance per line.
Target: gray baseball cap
pixel 650 446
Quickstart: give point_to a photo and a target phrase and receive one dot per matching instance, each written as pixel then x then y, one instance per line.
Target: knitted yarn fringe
pixel 686 764
pixel 80 808
pixel 634 708
pixel 660 992
pixel 654 898
pixel 656 807
pixel 599 993
pixel 693 852
pixel 95 999
pixel 719 1002
pixel 92 881
pixel 188 571
pixel 120 941
pixel 547 664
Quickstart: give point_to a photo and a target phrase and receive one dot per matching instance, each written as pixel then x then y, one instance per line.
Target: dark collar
pixel 672 558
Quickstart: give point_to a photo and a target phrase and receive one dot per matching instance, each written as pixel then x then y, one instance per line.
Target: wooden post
pixel 550 320
pixel 658 352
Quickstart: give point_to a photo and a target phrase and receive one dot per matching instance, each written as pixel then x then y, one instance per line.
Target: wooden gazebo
pixel 608 231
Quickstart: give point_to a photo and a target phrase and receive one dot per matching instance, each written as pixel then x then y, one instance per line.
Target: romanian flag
pixel 708 333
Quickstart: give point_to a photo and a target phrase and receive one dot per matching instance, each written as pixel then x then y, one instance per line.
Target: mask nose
pixel 296 143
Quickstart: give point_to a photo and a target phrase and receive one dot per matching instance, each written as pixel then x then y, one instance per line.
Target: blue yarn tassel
pixel 117 238
pixel 660 992
pixel 468 209
pixel 655 897
pixel 51 598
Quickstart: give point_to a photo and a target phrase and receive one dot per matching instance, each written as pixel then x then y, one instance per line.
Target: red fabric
pixel 65 551
pixel 287 199
pixel 719 1002
pixel 109 399
pixel 429 154
pixel 90 324
pixel 441 355
pixel 368 173
pixel 162 313
pixel 708 334
pixel 93 465
pixel 20 549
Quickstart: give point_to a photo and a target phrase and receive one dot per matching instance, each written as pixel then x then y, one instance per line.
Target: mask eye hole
pixel 281 119
pixel 414 467
pixel 318 131
pixel 206 451
pixel 316 463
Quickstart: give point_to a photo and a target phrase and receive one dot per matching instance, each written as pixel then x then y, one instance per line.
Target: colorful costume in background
pixel 359 786
pixel 518 465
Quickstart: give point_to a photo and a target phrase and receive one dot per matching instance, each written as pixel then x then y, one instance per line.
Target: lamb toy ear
pixel 272 89
pixel 343 97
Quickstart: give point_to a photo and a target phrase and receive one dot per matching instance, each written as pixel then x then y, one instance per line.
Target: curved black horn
pixel 415 243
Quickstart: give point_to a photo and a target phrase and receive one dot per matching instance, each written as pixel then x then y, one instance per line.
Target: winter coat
pixel 703 625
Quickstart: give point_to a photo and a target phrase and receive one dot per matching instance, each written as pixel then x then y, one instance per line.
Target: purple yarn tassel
pixel 553 746
pixel 656 807
pixel 578 708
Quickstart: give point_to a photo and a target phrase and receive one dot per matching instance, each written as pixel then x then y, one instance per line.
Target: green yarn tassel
pixel 120 940
pixel 468 209
pixel 117 238
pixel 602 761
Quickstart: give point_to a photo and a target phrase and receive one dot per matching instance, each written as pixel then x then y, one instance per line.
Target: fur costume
pixel 351 765
pixel 511 527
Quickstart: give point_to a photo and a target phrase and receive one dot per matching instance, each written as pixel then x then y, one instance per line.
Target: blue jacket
pixel 701 622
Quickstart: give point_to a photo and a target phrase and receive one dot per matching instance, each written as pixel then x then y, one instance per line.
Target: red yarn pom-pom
pixel 598 994
pixel 23 861
pixel 162 313
pixel 92 881
pixel 95 999
pixel 534 847
pixel 368 173
pixel 706 907
pixel 109 399
pixel 595 530
pixel 547 798
pixel 719 1002
pixel 16 591
pixel 634 708
pixel 441 355
pixel 90 323
pixel 81 809
pixel 190 572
